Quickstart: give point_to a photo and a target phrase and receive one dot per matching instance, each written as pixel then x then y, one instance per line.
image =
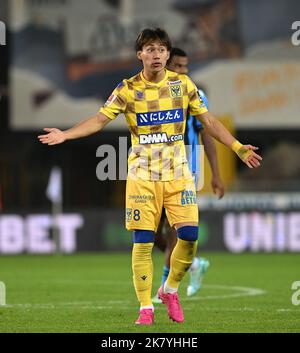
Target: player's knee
pixel 143 236
pixel 188 233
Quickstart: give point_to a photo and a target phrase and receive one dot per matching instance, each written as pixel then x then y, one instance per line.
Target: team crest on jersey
pixel 175 91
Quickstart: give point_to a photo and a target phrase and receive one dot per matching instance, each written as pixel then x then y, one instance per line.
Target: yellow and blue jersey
pixel 156 115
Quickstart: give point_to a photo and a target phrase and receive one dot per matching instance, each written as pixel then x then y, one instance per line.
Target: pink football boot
pixel 146 317
pixel 172 302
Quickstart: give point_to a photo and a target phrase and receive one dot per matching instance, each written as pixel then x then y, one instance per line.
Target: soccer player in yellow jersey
pixel 156 103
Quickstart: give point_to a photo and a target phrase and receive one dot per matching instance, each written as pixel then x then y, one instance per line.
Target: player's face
pixel 154 56
pixel 179 64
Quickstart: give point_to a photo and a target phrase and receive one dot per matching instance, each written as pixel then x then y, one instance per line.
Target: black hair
pixel 176 52
pixel 149 35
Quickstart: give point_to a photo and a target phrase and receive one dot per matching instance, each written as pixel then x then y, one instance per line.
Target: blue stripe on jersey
pixel 193 126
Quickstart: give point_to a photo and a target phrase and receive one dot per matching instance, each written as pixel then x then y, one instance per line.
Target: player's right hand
pixel 53 137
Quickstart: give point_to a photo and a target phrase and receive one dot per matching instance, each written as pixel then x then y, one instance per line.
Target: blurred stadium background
pixel 61 61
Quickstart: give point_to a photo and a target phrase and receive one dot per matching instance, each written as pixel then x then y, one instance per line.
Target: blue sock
pixel 166 271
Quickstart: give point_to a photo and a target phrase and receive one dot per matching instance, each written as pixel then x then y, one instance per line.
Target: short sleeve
pixel 197 124
pixel 116 103
pixel 196 104
pixel 203 97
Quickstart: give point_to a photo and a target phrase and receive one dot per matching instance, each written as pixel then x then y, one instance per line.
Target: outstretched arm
pixel 84 128
pixel 211 152
pixel 217 130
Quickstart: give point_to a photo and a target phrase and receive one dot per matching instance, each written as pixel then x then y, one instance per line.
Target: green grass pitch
pixel 94 293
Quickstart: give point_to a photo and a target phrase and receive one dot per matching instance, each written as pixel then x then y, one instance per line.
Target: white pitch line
pixel 110 304
pixel 242 292
pixel 287 310
pixel 84 305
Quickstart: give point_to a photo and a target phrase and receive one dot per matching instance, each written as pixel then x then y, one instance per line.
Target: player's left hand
pixel 217 186
pixel 248 156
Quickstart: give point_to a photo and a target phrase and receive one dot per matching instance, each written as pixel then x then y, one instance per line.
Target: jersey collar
pixel 157 84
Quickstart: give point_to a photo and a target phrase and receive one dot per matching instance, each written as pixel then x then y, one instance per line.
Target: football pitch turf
pixel 94 293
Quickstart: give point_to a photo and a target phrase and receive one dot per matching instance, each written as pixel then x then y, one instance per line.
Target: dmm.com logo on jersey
pixel 160 117
pixel 159 138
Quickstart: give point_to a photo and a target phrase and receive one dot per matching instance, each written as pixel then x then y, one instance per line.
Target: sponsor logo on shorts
pixel 128 214
pixel 159 138
pixel 188 197
pixel 160 117
pixel 141 198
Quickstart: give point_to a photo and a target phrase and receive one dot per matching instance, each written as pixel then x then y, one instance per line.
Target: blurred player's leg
pixel 197 270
